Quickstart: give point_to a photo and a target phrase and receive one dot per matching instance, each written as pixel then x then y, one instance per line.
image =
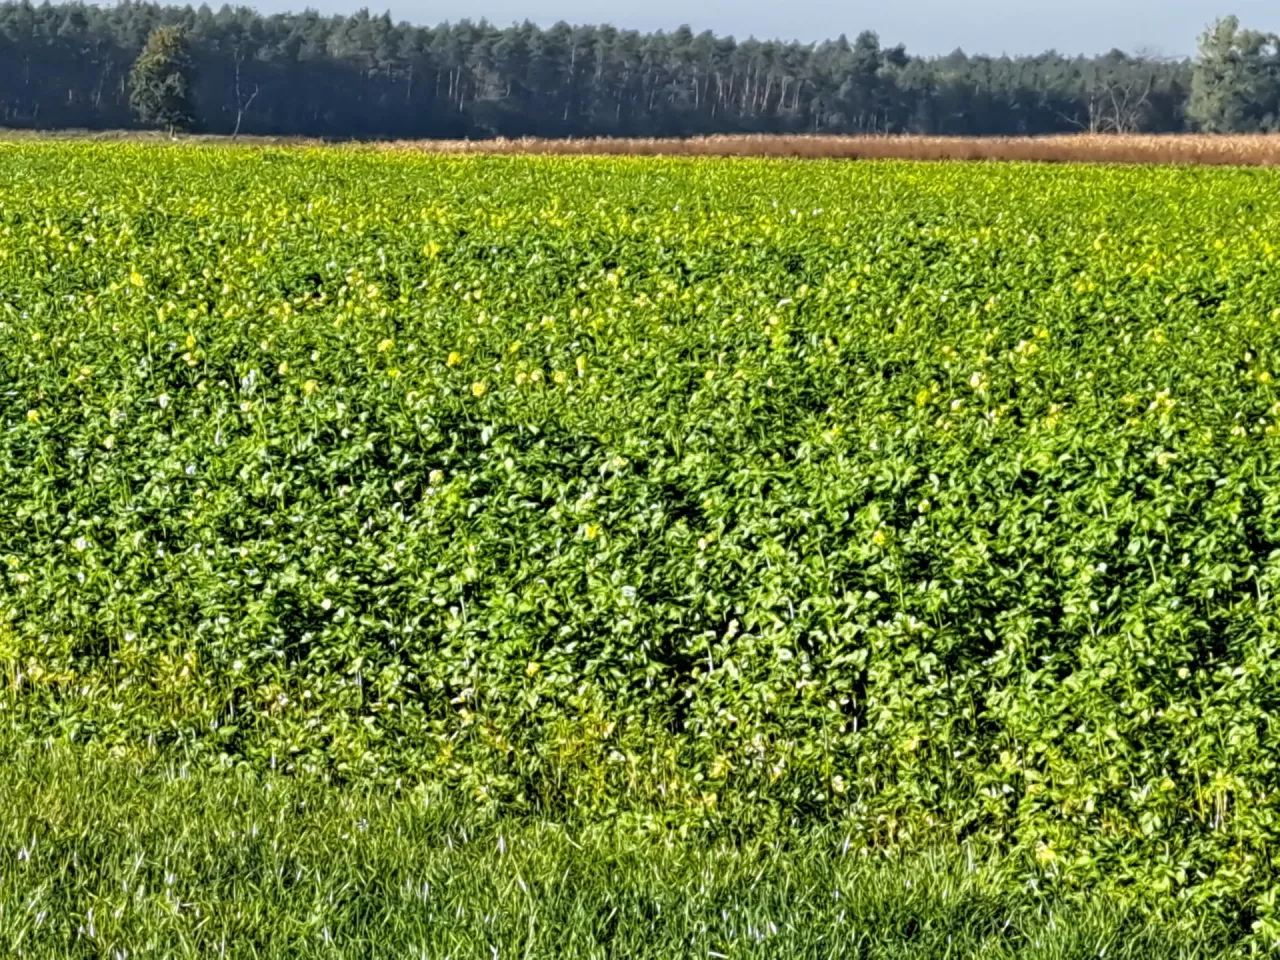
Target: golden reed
pixel 1191 149
pixel 1258 150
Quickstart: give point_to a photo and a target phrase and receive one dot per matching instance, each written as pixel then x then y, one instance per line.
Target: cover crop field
pixel 702 498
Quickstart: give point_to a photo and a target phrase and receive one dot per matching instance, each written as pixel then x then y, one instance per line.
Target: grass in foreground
pixel 105 857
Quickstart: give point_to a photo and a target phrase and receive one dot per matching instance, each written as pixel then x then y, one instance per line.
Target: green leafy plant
pixel 160 81
pixel 672 493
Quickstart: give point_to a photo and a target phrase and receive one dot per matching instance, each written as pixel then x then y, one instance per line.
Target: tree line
pixel 234 70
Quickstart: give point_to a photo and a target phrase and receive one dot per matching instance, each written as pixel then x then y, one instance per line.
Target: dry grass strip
pixel 1260 150
pixel 1189 149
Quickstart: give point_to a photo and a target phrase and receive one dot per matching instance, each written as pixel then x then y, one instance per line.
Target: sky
pixel 926 26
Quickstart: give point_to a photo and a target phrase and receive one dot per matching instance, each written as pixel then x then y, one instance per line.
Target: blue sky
pixel 925 26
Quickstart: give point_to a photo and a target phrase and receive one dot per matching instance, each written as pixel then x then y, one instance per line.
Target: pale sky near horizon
pixel 925 26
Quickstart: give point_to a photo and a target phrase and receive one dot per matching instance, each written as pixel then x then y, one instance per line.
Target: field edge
pixel 1246 150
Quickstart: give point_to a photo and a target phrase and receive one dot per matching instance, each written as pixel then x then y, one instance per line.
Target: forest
pixel 67 66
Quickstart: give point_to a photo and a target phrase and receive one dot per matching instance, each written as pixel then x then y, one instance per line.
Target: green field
pixel 774 525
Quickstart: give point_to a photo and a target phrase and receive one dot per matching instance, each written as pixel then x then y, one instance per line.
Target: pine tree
pixel 160 81
pixel 1235 86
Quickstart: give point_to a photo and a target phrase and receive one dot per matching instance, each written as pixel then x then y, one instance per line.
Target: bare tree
pixel 242 105
pixel 1092 112
pixel 1116 103
pixel 1126 105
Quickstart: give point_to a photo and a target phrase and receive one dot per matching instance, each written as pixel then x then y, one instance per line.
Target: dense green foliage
pixel 160 81
pixel 202 865
pixel 700 493
pixel 1236 82
pixel 66 65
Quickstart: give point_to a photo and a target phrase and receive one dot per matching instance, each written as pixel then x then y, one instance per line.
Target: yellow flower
pixel 310 387
pixel 560 377
pixel 582 366
pixel 592 531
pixel 455 358
pixel 386 345
pixel 479 388
pixel 33 416
pixel 137 279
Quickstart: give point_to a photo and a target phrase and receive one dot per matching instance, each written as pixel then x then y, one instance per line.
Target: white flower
pixel 163 400
pixel 81 544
